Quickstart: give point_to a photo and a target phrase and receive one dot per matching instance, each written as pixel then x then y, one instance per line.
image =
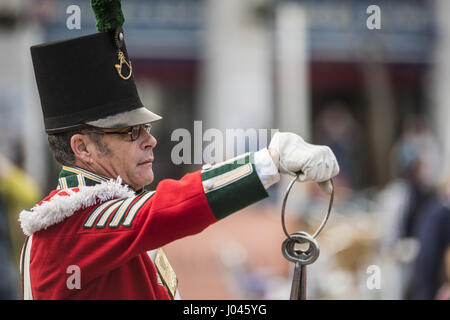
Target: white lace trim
pixel 61 207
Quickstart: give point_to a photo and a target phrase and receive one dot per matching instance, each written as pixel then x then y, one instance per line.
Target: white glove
pixel 316 163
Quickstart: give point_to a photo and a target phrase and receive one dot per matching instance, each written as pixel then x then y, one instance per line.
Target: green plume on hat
pixel 108 14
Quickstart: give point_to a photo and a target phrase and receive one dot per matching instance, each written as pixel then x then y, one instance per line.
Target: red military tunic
pixel 93 239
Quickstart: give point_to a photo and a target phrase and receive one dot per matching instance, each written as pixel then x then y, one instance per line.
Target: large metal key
pixel 301 260
pixel 298 289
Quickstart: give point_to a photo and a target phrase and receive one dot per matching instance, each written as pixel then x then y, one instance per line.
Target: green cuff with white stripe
pixel 232 185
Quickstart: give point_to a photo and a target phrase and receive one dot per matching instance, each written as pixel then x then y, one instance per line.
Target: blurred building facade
pixel 222 63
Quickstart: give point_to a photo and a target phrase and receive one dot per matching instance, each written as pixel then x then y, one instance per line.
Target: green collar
pixel 72 177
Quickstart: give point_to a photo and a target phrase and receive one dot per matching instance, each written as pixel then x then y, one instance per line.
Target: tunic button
pixel 207 167
pixel 208 185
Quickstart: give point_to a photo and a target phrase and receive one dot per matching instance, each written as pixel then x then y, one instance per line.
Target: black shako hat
pixel 88 80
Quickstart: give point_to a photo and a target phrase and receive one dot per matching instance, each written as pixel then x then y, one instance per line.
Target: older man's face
pixel 131 160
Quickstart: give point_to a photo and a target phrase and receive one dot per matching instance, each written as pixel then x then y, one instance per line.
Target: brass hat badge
pixel 119 42
pixel 122 61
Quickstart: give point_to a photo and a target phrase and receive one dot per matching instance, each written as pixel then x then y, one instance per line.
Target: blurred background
pixel 377 97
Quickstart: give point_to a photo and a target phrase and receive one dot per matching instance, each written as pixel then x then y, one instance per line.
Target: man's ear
pixel 79 144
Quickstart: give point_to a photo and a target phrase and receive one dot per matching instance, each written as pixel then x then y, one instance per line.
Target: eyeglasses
pixel 134 131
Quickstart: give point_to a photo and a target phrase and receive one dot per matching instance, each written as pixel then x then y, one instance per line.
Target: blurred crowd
pixel 408 218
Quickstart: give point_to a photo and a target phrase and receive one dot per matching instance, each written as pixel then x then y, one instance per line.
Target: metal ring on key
pixel 303 257
pixel 324 221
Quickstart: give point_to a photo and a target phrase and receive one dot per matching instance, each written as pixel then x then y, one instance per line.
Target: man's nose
pixel 149 140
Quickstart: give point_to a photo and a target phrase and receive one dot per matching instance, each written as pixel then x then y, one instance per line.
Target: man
pixel 97 236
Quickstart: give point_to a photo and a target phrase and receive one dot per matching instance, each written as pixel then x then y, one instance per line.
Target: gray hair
pixel 62 151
